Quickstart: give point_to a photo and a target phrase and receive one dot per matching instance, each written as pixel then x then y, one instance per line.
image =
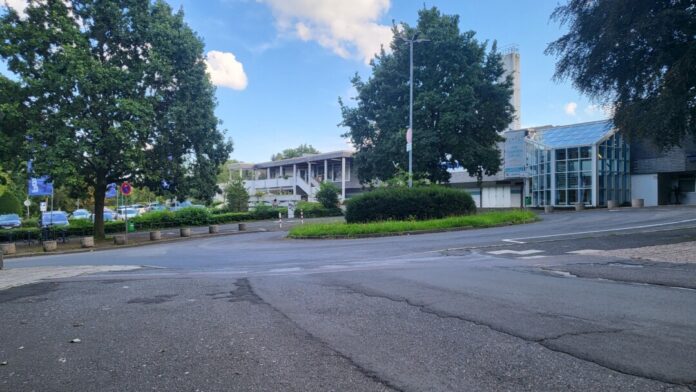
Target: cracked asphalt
pixel 416 313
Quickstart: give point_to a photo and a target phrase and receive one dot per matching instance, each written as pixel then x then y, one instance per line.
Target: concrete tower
pixel 511 63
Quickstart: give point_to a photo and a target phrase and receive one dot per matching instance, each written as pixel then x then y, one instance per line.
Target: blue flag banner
pixel 40 186
pixel 111 191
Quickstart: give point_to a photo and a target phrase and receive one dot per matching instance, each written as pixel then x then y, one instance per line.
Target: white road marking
pixel 532 257
pixel 515 252
pixel 293 269
pixel 586 252
pixel 601 231
pixel 514 241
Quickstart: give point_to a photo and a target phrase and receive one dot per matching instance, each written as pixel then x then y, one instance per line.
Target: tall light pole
pixel 409 132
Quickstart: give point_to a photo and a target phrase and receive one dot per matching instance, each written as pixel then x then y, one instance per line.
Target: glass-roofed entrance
pixel 585 163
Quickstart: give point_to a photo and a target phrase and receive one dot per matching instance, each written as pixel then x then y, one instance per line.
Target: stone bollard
pixel 87 242
pixel 155 235
pixel 612 204
pixel 242 227
pixel 8 249
pixel 548 209
pixel 579 206
pixel 212 229
pixel 185 232
pixel 49 246
pixel 120 239
pixel 637 203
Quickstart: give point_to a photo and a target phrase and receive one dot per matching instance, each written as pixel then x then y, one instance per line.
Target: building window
pixel 687 184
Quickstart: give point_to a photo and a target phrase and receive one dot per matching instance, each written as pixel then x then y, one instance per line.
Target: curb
pixel 148 243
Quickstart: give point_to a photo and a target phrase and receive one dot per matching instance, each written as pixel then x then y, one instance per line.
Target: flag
pixel 111 191
pixel 40 186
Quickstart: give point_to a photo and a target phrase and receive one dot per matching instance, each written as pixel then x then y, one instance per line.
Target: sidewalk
pixel 21 276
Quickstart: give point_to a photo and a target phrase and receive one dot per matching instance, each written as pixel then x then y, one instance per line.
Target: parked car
pixel 141 208
pixel 55 218
pixel 155 207
pixel 122 213
pixel 80 214
pixel 109 215
pixel 10 221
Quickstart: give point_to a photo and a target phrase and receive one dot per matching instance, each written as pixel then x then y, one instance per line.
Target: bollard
pixel 548 209
pixel 8 249
pixel 302 216
pixel 120 239
pixel 87 242
pixel 579 206
pixel 185 232
pixel 212 229
pixel 49 246
pixel 2 263
pixel 612 204
pixel 155 235
pixel 242 226
pixel 637 203
pixel 280 220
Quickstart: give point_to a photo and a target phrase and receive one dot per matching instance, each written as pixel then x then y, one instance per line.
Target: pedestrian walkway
pixel 20 276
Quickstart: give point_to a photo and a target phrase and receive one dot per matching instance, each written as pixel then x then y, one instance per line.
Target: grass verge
pixel 354 230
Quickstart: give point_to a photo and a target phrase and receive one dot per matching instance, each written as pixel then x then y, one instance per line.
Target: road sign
pixel 126 189
pixel 27 203
pixel 409 136
pixel 43 206
pixel 409 147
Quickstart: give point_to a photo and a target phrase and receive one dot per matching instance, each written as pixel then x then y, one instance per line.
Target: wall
pixel 644 186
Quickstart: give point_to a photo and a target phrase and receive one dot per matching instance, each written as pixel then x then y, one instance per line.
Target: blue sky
pixel 280 65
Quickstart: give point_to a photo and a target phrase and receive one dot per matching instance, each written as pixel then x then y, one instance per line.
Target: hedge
pixel 316 210
pixel 420 203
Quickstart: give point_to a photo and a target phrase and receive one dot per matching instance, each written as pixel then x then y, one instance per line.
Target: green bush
pixel 420 203
pixel 10 204
pixel 263 211
pixel 237 196
pixel 192 216
pixel 31 222
pixel 230 217
pixel 316 210
pixel 328 195
pixel 155 220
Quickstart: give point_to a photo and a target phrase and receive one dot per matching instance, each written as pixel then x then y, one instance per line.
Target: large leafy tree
pixel 461 102
pixel 636 56
pixel 298 151
pixel 114 90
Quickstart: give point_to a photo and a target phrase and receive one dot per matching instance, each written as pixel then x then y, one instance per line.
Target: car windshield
pixel 9 217
pixel 57 217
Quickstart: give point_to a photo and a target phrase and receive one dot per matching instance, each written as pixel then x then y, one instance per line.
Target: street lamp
pixel 409 133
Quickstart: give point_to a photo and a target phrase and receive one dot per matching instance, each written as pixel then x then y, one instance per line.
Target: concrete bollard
pixel 2 262
pixel 637 203
pixel 155 235
pixel 49 246
pixel 548 209
pixel 87 242
pixel 242 227
pixel 579 206
pixel 185 232
pixel 120 239
pixel 212 229
pixel 8 249
pixel 612 204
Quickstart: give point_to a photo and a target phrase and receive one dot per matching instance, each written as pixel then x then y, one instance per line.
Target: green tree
pixel 237 196
pixel 461 102
pixel 328 195
pixel 10 204
pixel 636 56
pixel 299 151
pixel 115 90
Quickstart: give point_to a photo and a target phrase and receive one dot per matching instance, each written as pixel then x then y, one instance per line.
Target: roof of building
pixel 582 134
pixel 305 159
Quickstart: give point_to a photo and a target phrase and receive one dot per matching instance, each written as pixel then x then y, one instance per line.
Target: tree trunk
pixel 99 195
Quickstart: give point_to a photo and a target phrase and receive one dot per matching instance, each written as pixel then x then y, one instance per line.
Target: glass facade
pixel 562 173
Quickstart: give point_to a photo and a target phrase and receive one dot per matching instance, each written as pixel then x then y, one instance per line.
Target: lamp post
pixel 409 133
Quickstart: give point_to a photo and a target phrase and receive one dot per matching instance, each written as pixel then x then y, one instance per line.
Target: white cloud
pixel 225 70
pixel 570 108
pixel 349 28
pixel 18 5
pixel 602 110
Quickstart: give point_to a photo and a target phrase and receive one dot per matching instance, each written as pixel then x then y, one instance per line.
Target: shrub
pixel 10 204
pixel 263 211
pixel 237 196
pixel 155 220
pixel 193 216
pixel 328 195
pixel 420 203
pixel 316 210
pixel 31 222
pixel 230 217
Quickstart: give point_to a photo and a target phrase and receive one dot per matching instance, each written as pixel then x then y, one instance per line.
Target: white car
pixel 121 213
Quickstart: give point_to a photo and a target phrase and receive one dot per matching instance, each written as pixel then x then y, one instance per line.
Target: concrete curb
pixel 146 243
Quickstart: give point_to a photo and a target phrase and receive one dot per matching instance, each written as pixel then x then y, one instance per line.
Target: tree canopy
pixel 299 151
pixel 636 56
pixel 461 102
pixel 112 90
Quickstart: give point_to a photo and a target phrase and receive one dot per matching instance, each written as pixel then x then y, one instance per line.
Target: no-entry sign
pixel 126 189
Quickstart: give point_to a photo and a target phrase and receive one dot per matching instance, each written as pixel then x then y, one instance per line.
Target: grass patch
pixel 353 230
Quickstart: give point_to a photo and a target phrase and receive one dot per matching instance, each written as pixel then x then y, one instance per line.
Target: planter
pixel 242 227
pixel 548 209
pixel 212 229
pixel 637 203
pixel 155 235
pixel 612 204
pixel 8 249
pixel 579 206
pixel 185 232
pixel 49 246
pixel 87 242
pixel 120 239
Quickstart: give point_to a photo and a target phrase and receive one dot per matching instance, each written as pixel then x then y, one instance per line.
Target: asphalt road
pixel 414 313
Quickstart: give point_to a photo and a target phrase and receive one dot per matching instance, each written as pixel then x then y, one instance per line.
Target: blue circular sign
pixel 126 189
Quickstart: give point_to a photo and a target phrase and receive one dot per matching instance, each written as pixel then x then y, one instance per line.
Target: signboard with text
pixel 514 156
